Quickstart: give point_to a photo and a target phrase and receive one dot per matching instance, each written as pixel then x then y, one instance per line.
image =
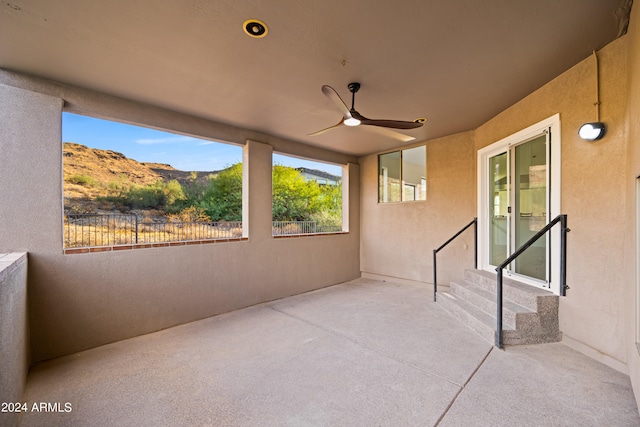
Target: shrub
pixel 160 195
pixel 190 214
pixel 85 180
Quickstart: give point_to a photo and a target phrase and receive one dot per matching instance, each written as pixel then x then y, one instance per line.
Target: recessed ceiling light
pixel 255 28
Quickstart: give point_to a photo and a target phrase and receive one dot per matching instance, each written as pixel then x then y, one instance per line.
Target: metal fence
pixel 88 230
pixel 84 230
pixel 285 228
pixel 281 228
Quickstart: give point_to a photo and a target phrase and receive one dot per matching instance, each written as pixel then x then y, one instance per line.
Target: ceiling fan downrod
pixel 353 88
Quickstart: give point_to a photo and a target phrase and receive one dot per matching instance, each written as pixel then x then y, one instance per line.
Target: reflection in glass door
pixel 518 206
pixel 530 206
pixel 498 208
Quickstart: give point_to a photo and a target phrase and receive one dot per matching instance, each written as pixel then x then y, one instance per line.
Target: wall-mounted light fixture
pixel 594 131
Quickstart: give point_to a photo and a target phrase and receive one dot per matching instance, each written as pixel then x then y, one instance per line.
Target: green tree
pixel 329 216
pixel 222 200
pixel 294 198
pixel 173 192
pixel 194 191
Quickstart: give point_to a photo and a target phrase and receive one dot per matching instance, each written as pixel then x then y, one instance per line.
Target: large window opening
pixel 131 185
pixel 307 196
pixel 403 175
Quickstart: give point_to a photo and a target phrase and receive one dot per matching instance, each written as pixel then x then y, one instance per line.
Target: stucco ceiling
pixel 456 62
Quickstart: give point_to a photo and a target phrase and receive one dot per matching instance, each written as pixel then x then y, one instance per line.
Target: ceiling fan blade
pixel 389 133
pixel 375 129
pixel 394 124
pixel 327 129
pixel 333 96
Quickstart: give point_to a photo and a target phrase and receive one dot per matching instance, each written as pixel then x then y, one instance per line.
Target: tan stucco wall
pixel 398 239
pixel 85 300
pixel 14 332
pixel 593 179
pixel 633 171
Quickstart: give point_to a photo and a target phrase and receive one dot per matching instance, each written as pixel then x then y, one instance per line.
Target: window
pixel 307 197
pixel 127 185
pixel 403 175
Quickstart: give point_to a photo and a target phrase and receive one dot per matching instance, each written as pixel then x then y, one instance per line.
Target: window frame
pixel 383 186
pixel 196 238
pixel 343 182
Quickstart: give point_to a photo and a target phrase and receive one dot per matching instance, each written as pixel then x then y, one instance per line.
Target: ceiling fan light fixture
pixel 351 117
pixel 351 121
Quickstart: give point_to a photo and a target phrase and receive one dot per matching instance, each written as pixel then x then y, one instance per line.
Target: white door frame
pixel 551 125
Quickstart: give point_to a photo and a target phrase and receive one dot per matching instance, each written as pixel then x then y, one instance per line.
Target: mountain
pixel 91 172
pixel 105 166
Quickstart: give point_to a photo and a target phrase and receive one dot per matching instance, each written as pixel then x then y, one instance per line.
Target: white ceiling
pixel 456 62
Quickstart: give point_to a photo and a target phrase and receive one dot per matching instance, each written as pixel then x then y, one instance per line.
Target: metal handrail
pixel 475 252
pixel 562 219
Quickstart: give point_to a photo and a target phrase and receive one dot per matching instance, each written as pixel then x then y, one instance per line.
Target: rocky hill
pixel 90 173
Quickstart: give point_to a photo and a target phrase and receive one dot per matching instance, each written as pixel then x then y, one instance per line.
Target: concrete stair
pixel 530 315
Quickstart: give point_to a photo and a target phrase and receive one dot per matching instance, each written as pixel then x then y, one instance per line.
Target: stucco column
pixel 351 198
pixel 256 190
pixel 30 171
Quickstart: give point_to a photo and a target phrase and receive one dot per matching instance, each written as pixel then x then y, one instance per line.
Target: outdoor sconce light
pixel 592 131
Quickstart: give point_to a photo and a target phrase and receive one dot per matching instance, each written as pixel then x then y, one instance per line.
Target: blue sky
pixel 150 145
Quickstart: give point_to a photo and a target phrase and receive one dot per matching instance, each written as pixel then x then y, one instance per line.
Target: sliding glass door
pixel 516 194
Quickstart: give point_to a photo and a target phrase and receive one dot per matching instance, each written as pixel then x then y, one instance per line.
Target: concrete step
pixel 535 299
pixel 530 315
pixel 512 313
pixel 479 321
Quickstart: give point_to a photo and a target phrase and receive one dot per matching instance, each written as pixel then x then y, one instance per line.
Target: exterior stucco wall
pixel 633 171
pixel 82 301
pixel 592 195
pixel 14 332
pixel 398 239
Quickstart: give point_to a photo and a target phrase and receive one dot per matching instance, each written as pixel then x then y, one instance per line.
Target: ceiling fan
pixel 350 117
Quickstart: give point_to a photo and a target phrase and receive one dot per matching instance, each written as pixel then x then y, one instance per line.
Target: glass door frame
pixel 552 126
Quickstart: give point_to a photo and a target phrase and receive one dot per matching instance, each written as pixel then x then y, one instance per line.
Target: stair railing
pixel 475 252
pixel 562 219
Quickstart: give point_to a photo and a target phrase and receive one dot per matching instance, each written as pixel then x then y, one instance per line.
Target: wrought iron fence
pixel 88 230
pixel 284 228
pixel 281 228
pixel 85 230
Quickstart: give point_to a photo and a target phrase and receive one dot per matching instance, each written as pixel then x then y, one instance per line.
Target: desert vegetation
pixel 164 204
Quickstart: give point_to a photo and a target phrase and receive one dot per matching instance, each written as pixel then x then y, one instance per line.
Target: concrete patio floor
pixel 363 353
